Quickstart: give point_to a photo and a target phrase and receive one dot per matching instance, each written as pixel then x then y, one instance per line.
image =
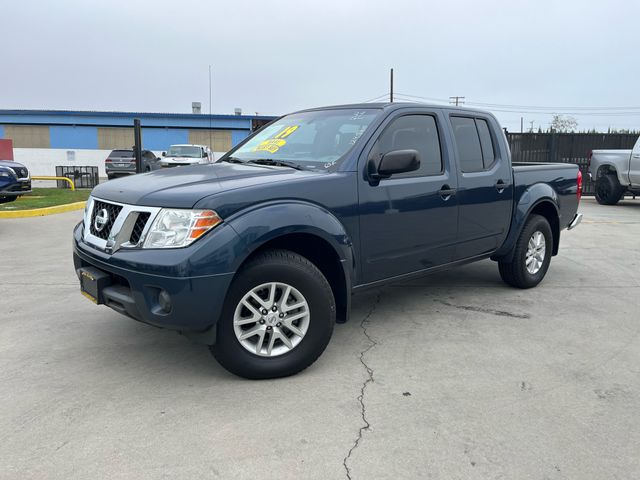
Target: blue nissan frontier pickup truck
pixel 258 255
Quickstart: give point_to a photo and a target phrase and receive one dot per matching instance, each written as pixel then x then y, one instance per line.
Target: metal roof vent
pixel 237 111
pixel 196 107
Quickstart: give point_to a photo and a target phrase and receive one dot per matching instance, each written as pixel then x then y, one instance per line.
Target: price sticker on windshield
pixel 272 145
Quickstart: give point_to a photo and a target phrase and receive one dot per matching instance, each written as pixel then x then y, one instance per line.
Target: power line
pixel 378 98
pixel 552 108
pixel 576 110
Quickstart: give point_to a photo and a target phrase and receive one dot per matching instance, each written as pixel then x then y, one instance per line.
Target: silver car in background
pixel 121 163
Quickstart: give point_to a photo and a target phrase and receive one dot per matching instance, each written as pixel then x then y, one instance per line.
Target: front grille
pixel 112 212
pixel 138 228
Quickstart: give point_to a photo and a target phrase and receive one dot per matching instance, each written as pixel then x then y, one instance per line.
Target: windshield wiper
pixel 232 160
pixel 277 163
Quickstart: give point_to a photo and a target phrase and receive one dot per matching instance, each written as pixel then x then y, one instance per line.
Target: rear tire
pixel 303 283
pixel 608 189
pixel 531 255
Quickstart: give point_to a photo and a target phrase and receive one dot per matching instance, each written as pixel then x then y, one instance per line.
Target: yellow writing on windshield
pixel 272 145
pixel 287 131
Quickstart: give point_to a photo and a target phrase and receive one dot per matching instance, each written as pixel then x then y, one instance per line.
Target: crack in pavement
pixel 368 380
pixel 499 313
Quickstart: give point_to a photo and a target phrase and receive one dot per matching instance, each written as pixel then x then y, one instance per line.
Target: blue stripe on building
pixel 119 119
pixel 238 135
pixel 73 137
pixel 77 129
pixel 162 138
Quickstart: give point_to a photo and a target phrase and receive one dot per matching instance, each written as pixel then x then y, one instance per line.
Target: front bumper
pixel 134 286
pixel 19 187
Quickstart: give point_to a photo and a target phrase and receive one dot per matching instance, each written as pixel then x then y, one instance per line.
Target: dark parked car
pixel 14 181
pixel 258 254
pixel 121 163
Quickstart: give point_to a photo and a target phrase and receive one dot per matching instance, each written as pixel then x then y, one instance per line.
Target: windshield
pixel 315 139
pixel 184 151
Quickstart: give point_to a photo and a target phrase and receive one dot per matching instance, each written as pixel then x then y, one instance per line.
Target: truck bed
pixel 561 177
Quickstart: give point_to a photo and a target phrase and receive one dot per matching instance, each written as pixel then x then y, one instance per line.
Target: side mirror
pixel 164 154
pixel 396 161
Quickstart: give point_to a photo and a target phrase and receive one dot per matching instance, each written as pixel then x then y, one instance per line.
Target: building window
pixel 216 140
pixel 28 136
pixel 110 138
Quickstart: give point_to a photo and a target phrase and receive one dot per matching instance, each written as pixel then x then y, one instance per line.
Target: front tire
pixel 608 189
pixel 8 199
pixel 531 256
pixel 277 319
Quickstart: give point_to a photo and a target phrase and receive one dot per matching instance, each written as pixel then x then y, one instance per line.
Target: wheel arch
pixel 545 204
pixel 549 211
pixel 307 230
pixel 606 169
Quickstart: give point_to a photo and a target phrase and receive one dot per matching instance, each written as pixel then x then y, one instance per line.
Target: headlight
pixel 179 228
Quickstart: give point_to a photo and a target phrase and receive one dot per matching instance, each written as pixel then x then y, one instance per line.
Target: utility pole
pixel 137 146
pixel 531 129
pixel 391 87
pixel 210 142
pixel 456 100
pixel 521 125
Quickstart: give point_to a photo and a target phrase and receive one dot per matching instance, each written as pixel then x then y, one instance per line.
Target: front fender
pixel 264 222
pixel 528 200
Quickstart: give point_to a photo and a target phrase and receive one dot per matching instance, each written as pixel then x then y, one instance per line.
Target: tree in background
pixel 563 124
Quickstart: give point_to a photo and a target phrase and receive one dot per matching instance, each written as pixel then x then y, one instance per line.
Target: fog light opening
pixel 164 301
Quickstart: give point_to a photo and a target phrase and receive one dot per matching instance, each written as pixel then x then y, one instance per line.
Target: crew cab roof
pixel 391 106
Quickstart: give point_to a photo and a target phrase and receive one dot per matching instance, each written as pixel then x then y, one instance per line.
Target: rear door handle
pixel 446 192
pixel 500 186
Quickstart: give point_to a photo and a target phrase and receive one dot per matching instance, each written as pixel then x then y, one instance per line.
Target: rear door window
pixel 474 142
pixel 467 144
pixel 488 153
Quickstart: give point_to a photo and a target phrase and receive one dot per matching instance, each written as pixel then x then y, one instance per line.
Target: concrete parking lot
pixel 452 376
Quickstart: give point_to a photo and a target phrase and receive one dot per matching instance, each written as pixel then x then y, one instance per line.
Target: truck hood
pixel 11 164
pixel 182 187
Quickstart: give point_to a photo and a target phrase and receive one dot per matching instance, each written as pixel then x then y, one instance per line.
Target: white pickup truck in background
pixel 182 155
pixel 615 173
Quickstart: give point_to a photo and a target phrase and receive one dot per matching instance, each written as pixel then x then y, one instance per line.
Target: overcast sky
pixel 273 57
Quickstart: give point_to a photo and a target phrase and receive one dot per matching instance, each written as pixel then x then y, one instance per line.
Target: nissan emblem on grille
pixel 101 220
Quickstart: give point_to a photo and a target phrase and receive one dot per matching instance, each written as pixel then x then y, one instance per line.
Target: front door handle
pixel 446 192
pixel 500 186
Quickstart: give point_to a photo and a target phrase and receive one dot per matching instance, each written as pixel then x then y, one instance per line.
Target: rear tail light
pixel 579 181
pixel 108 160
